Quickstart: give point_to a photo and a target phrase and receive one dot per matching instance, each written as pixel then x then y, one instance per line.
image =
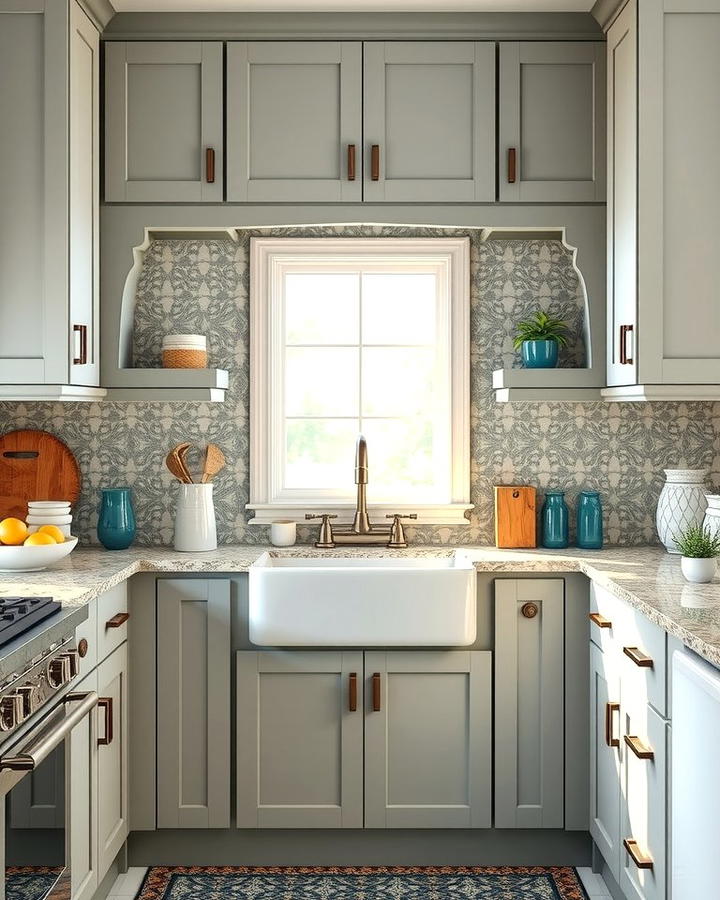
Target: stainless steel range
pixel 38 711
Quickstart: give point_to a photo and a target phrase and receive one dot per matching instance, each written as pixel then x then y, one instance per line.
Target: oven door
pixel 36 808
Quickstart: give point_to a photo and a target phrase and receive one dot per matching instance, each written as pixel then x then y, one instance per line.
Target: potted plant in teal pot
pixel 539 339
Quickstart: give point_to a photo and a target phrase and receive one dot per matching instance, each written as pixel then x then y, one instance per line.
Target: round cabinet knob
pixel 11 711
pixel 529 610
pixel 82 648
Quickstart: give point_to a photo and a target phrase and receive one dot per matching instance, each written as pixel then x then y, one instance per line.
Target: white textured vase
pixel 682 504
pixel 699 571
pixel 195 529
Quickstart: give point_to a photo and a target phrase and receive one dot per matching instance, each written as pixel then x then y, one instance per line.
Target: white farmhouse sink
pixel 335 602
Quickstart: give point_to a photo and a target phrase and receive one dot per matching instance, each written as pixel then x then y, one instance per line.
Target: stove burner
pixel 17 614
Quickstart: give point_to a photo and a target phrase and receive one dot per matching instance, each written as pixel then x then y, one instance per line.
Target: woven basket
pixel 184 359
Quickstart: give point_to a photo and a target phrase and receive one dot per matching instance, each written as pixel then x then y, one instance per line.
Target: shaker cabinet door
pixel 164 121
pixel 552 114
pixel 606 752
pixel 112 756
pixel 299 739
pixel 529 708
pixel 294 120
pixel 83 797
pixel 428 739
pixel 429 121
pixel 193 703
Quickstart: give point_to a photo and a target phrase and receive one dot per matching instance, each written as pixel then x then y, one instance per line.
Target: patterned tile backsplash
pixel 202 287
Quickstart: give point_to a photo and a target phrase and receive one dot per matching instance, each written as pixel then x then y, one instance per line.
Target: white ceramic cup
pixel 283 533
pixel 195 528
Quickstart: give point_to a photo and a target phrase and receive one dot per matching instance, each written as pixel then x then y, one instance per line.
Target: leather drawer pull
pixel 375 162
pixel 512 166
pixel 352 692
pixel 376 692
pixel 638 748
pixel 600 621
pixel 351 162
pixel 641 861
pixel 638 657
pixel 210 165
pixel 610 710
pixel 117 620
pixel 106 704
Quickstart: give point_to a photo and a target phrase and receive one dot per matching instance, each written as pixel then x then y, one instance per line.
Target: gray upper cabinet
pixel 294 120
pixel 299 739
pixel 428 727
pixel 429 121
pixel 193 703
pixel 164 121
pixel 552 122
pixel 622 197
pixel 49 176
pixel 529 709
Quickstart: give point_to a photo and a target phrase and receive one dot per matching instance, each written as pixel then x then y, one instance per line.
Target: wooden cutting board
pixel 515 518
pixel 35 465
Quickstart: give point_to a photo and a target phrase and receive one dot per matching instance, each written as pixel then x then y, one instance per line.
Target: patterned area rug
pixel 395 883
pixel 29 882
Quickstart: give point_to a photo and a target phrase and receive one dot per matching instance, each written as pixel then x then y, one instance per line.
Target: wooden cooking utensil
pixel 176 465
pixel 35 465
pixel 214 463
pixel 182 451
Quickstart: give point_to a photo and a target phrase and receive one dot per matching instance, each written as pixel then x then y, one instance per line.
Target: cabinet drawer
pixel 608 618
pixel 644 661
pixel 643 827
pixel 112 616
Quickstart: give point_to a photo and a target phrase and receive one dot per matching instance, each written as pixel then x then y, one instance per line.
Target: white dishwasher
pixel 695 778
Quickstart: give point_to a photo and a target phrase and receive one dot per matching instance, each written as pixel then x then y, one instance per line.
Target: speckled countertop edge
pixel 645 577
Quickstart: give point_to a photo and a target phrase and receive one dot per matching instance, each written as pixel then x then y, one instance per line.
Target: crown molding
pixel 100 11
pixel 353 26
pixel 606 11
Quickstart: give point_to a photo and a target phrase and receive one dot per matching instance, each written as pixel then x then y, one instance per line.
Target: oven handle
pixel 36 751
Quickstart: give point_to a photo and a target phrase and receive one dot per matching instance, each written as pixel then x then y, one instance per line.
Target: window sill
pixel 427 514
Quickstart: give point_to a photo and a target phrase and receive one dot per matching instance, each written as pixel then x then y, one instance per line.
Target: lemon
pixel 39 538
pixel 13 531
pixel 53 531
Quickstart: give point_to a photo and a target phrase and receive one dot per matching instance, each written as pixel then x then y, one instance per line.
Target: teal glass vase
pixel 116 521
pixel 589 521
pixel 555 521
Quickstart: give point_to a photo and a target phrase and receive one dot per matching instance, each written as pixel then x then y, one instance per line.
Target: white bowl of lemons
pixel 21 551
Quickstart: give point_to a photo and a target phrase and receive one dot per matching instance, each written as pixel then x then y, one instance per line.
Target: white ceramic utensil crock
pixel 195 528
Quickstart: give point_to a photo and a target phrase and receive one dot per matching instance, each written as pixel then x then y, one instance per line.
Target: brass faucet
pixel 361 533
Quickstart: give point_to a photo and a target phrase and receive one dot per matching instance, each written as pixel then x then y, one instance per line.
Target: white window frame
pixel 268 256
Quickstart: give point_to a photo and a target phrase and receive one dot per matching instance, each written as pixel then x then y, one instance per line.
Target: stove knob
pixel 58 671
pixel 30 697
pixel 11 711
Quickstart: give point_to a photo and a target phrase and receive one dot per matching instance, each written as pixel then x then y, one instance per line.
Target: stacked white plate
pixel 49 512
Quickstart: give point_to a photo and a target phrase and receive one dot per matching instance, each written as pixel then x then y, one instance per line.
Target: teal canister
pixel 589 521
pixel 116 521
pixel 555 520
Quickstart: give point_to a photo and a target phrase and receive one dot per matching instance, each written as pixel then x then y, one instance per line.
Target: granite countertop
pixel 648 578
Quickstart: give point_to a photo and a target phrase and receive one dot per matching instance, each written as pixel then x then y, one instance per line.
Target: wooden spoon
pixel 214 463
pixel 182 450
pixel 176 466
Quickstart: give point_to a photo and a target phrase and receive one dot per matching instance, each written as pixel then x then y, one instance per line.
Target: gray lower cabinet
pixel 299 739
pixel 428 745
pixel 429 121
pixel 606 753
pixel 193 703
pixel 38 801
pixel 294 120
pixel 164 121
pixel 112 757
pixel 529 703
pixel 552 122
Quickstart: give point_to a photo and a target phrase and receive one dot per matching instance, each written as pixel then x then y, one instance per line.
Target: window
pixel 354 336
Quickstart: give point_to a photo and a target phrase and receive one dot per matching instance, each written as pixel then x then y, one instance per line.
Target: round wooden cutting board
pixel 35 465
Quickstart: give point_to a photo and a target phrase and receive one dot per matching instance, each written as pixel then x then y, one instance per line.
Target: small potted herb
pixel 699 549
pixel 538 339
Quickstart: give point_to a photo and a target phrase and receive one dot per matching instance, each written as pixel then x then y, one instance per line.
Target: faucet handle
pixel 397 532
pixel 325 539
